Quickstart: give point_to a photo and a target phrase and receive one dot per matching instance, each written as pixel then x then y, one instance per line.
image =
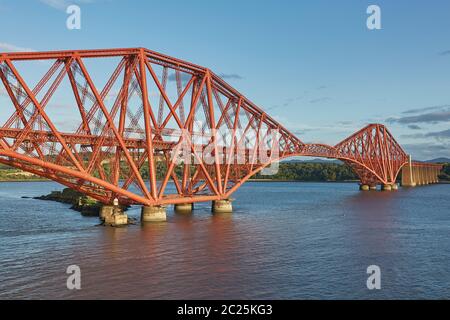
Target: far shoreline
pixel 250 180
pixel 25 180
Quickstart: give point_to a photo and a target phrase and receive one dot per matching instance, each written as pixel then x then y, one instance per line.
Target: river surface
pixel 283 241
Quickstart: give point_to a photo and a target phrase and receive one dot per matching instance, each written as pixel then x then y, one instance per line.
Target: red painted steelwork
pixel 123 131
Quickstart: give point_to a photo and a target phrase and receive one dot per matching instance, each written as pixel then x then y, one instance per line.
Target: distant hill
pixel 318 160
pixel 313 161
pixel 439 160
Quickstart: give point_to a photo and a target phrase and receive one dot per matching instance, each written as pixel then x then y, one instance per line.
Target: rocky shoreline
pixel 87 206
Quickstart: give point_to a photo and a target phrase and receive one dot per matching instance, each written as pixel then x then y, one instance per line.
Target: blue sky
pixel 313 65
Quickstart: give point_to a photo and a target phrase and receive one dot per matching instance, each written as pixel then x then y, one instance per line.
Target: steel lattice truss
pixel 374 155
pixel 125 132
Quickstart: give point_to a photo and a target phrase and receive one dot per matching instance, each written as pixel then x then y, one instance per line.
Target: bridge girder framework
pixel 112 136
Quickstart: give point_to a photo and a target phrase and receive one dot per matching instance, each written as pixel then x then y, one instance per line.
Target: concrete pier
pixel 364 187
pixel 222 206
pixel 113 216
pixel 153 214
pixel 408 175
pixel 184 208
pixel 418 174
pixel 367 187
pixel 384 187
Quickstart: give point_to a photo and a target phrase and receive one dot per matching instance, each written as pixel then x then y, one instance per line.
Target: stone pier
pixel 153 214
pixel 364 187
pixel 113 216
pixel 367 187
pixel 222 206
pixel 184 208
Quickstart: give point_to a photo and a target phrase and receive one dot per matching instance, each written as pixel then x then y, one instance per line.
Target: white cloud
pixel 63 4
pixel 7 47
pixel 57 4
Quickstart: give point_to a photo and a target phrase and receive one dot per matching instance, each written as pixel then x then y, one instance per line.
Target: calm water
pixel 284 240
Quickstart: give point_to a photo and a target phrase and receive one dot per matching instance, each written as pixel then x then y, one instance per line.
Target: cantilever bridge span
pixel 102 122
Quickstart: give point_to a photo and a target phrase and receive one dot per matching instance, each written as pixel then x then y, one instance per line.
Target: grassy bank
pixel 8 174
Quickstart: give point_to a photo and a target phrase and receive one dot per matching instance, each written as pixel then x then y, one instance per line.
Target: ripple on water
pixel 284 240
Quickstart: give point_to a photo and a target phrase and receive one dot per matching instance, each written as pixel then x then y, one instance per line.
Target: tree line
pixel 288 171
pixel 306 171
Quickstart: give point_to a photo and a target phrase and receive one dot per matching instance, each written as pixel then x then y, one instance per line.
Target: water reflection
pixel 371 215
pixel 284 240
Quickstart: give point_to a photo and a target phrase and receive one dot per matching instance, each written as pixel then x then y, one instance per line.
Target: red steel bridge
pixel 114 137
